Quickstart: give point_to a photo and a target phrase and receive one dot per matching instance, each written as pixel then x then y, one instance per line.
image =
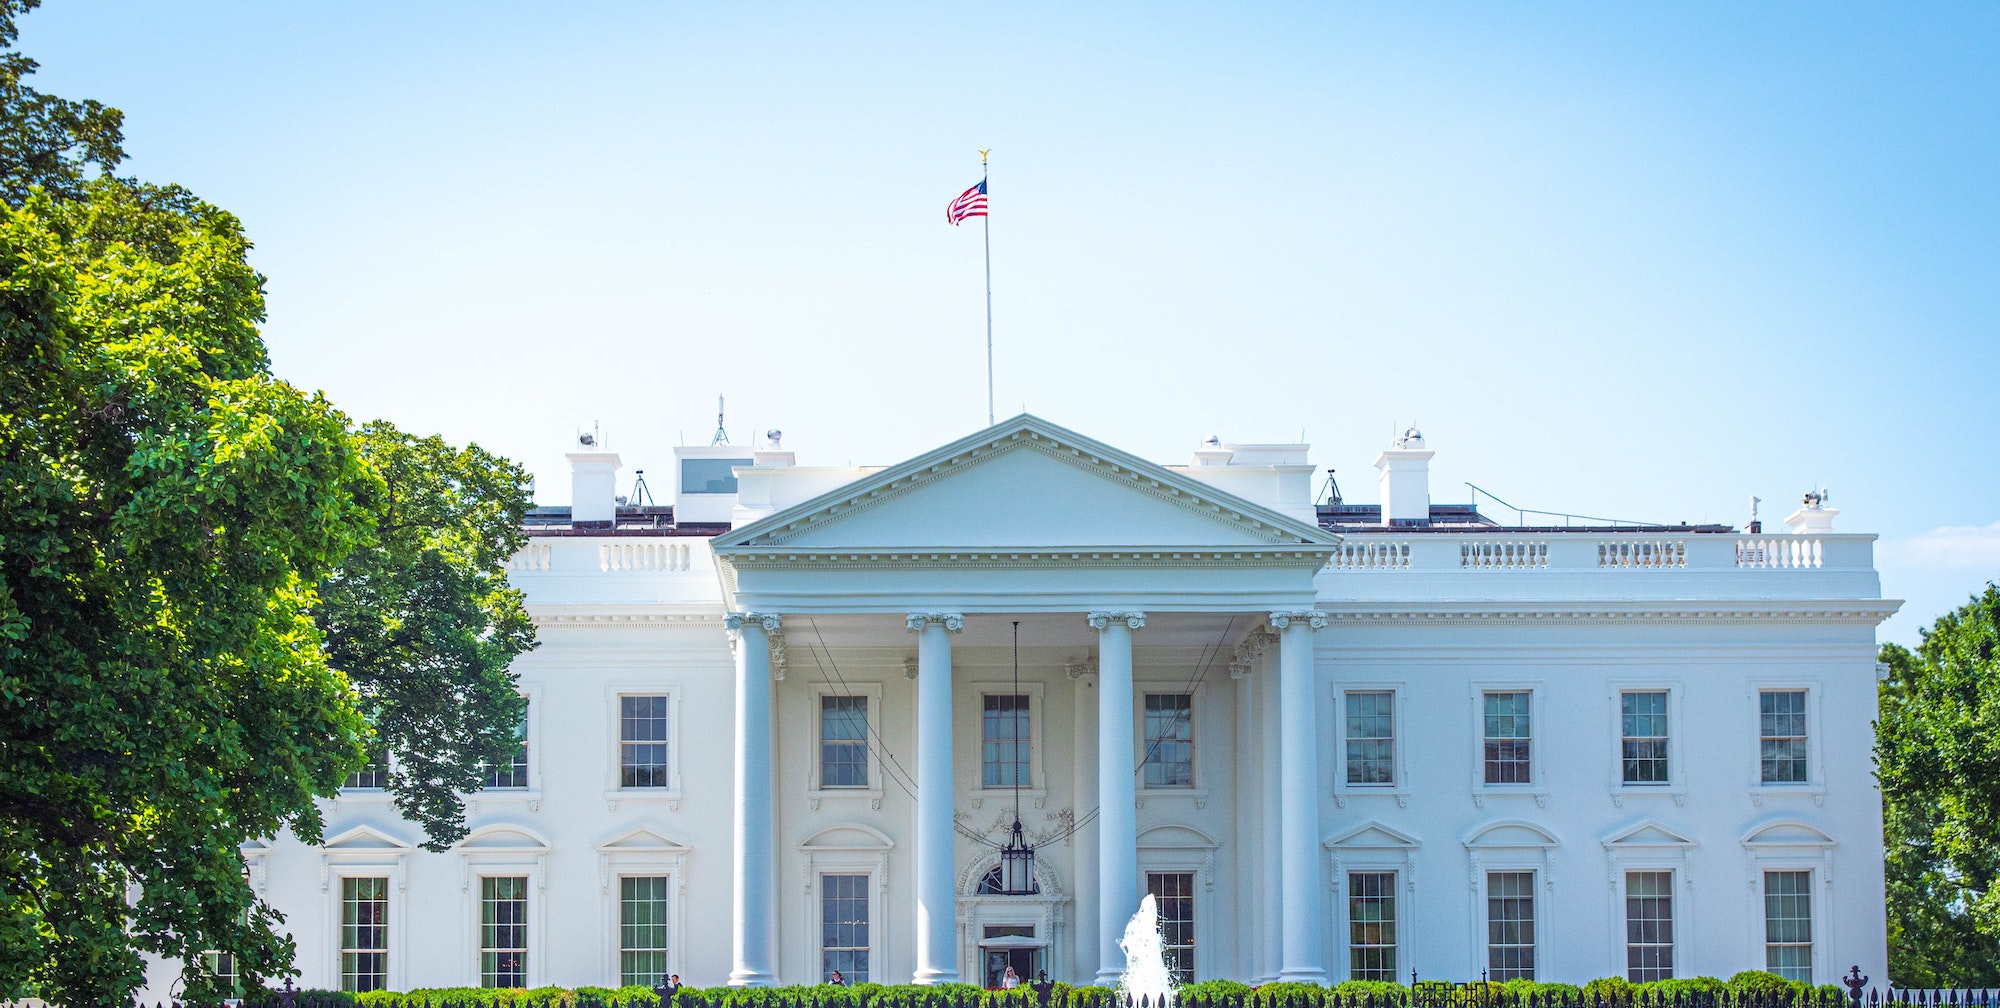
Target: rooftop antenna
pixel 1756 526
pixel 1332 488
pixel 721 436
pixel 642 495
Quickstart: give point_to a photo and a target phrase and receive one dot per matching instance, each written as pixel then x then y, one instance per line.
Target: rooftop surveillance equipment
pixel 721 436
pixel 775 435
pixel 586 440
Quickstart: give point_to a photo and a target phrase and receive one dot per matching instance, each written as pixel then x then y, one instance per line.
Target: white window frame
pixel 1676 787
pixel 870 890
pixel 1140 740
pixel 531 796
pixel 1814 786
pixel 1538 907
pixel 642 852
pixel 1514 845
pixel 1651 846
pixel 614 789
pixel 531 900
pixel 847 848
pixel 1182 849
pixel 1791 844
pixel 1196 904
pixel 1038 711
pixel 1399 788
pixel 497 851
pixel 872 692
pixel 1676 917
pixel 1539 773
pixel 365 852
pixel 1374 847
pixel 617 942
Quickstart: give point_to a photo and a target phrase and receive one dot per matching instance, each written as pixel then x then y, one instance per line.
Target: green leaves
pixel 1938 757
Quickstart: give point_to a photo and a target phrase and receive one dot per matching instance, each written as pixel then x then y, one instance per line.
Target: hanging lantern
pixel 1017 865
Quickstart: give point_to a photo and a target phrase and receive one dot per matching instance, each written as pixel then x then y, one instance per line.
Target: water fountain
pixel 1146 979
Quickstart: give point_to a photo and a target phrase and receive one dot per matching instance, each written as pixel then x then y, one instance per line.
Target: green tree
pixel 423 622
pixel 47 141
pixel 1938 756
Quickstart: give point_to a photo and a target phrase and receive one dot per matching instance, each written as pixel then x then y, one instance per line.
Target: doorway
pixel 1015 945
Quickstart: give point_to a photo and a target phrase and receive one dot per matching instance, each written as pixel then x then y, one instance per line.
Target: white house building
pixel 783 726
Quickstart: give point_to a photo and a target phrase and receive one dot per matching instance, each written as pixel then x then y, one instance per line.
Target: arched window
pixel 991 885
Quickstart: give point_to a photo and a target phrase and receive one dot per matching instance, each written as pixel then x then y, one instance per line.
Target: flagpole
pixel 986 226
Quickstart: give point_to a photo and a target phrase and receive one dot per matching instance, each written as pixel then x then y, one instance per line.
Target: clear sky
pixel 1637 261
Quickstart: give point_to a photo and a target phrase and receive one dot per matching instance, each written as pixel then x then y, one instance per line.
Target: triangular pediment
pixel 1373 835
pixel 1023 484
pixel 1646 834
pixel 641 839
pixel 364 838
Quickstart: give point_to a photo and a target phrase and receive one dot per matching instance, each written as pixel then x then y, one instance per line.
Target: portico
pixel 1105 559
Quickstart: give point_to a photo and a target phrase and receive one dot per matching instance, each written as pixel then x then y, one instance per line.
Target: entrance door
pixel 1009 945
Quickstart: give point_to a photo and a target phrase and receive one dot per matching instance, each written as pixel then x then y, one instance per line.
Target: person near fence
pixel 1010 979
pixel 837 980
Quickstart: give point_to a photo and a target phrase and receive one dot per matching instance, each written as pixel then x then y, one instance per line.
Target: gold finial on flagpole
pixel 982 155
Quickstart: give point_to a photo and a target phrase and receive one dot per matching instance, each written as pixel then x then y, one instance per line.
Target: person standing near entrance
pixel 1010 979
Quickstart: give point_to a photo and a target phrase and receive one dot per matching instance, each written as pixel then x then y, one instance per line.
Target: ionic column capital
pixel 1311 618
pixel 737 620
pixel 951 621
pixel 1239 670
pixel 1103 618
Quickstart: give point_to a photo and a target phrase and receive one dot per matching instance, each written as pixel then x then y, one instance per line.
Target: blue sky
pixel 1624 260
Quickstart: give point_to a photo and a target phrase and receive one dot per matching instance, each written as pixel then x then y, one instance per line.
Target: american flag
pixel 970 203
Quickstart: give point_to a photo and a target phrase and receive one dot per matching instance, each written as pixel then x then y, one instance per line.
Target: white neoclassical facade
pixel 783 727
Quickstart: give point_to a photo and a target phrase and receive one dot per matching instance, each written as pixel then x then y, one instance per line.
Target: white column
pixel 1298 797
pixel 1084 730
pixel 937 905
pixel 755 939
pixel 1117 795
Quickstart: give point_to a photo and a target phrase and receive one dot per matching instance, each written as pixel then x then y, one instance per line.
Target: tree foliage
pixel 1938 755
pixel 210 585
pixel 46 141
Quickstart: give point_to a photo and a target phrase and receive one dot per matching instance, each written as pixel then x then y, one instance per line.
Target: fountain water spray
pixel 1146 978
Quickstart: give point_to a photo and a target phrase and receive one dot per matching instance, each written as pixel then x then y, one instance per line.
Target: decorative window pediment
pixel 1646 834
pixel 1786 833
pixel 1511 834
pixel 1373 836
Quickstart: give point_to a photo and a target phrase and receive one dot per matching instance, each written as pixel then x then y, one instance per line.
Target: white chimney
pixel 1406 480
pixel 593 486
pixel 1813 516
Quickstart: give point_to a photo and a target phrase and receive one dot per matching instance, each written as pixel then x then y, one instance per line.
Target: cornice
pixel 556 617
pixel 1275 556
pixel 1856 611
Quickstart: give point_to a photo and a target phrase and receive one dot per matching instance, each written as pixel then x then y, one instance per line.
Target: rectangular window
pixel 642 930
pixel 515 773
pixel 1169 740
pixel 710 476
pixel 1782 727
pixel 1371 737
pixel 1507 738
pixel 642 741
pixel 1004 752
pixel 222 966
pixel 503 931
pixel 843 742
pixel 375 772
pixel 1788 924
pixel 1643 748
pixel 1649 925
pixel 1371 925
pixel 364 934
pixel 1510 925
pixel 843 932
pixel 1173 897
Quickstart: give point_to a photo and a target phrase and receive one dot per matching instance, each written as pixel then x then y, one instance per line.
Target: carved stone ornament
pixel 1132 620
pixel 951 621
pixel 1310 617
pixel 1078 669
pixel 780 660
pixel 736 620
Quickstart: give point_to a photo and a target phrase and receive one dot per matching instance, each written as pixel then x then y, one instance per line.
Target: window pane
pixel 1173 897
pixel 1510 925
pixel 1788 924
pixel 1371 738
pixel 642 741
pixel 515 773
pixel 364 934
pixel 642 930
pixel 1649 925
pixel 1004 747
pixel 1782 729
pixel 1169 740
pixel 843 906
pixel 1644 744
pixel 503 931
pixel 1371 925
pixel 843 745
pixel 1507 738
